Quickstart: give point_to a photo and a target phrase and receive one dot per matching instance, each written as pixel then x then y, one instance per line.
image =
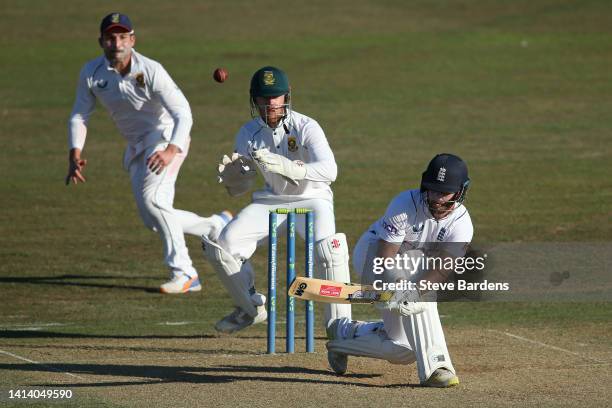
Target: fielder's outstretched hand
pixel 75 167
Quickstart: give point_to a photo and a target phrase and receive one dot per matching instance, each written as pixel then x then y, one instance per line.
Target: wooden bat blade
pixel 326 291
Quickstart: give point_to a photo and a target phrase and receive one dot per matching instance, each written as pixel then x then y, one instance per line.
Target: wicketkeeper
pixel 298 166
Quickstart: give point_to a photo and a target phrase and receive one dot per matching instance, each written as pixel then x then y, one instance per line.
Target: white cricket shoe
pixel 220 221
pixel 337 361
pixel 182 283
pixel 441 378
pixel 239 319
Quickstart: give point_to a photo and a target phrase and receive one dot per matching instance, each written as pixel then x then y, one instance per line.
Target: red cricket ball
pixel 220 75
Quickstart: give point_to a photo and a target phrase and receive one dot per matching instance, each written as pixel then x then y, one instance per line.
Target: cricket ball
pixel 220 75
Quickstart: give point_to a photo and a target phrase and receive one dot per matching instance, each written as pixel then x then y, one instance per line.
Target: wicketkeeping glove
pixel 293 171
pixel 237 173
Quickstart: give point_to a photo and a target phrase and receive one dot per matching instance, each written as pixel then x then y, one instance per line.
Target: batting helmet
pixel 447 173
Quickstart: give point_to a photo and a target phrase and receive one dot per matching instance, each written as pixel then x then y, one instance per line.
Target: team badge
pixel 292 144
pixel 268 78
pixel 115 18
pixel 102 83
pixel 441 234
pixel 140 79
pixel 441 174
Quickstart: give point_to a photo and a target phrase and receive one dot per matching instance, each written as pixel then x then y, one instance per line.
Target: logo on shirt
pixel 441 234
pixel 441 174
pixel 268 78
pixel 101 83
pixel 390 228
pixel 418 228
pixel 139 77
pixel 292 144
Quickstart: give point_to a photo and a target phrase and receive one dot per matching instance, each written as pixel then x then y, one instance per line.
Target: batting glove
pixel 406 303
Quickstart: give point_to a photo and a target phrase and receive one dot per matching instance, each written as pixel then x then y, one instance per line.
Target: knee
pixel 397 354
pixel 149 210
pixel 230 240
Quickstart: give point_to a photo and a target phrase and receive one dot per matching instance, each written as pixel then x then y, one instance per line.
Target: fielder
pixel 411 330
pixel 293 155
pixel 154 117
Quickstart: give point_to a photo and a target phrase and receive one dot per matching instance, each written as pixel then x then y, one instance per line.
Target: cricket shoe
pixel 182 283
pixel 239 319
pixel 441 378
pixel 220 221
pixel 337 361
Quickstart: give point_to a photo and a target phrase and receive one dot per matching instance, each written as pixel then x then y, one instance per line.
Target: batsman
pixel 293 155
pixel 432 218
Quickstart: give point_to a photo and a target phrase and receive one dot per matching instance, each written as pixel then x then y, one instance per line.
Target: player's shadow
pixel 38 334
pixel 75 280
pixel 147 374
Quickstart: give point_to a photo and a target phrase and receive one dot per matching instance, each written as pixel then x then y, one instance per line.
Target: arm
pixel 84 105
pixel 322 165
pixel 177 105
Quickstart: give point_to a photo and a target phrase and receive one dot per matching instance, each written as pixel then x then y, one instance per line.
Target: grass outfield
pixel 521 90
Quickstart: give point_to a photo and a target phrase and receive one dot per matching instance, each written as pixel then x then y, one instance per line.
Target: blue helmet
pixel 447 173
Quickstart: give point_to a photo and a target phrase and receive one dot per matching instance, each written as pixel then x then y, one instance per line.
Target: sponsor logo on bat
pixel 332 291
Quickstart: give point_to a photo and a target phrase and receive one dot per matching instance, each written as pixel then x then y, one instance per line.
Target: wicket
pixel 272 272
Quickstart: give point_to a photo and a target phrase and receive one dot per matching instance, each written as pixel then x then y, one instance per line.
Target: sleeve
pixel 84 105
pixel 460 236
pixel 392 226
pixel 177 105
pixel 322 165
pixel 241 145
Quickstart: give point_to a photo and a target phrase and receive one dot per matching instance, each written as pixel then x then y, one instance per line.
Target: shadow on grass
pixel 68 280
pixel 143 375
pixel 38 334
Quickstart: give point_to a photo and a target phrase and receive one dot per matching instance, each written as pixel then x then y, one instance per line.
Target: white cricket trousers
pixel 250 228
pixel 154 194
pixel 408 338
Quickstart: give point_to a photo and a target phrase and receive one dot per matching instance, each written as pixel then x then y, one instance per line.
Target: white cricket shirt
pixel 298 137
pixel 145 104
pixel 408 222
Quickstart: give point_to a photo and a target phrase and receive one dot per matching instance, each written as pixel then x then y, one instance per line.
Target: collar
pixel 134 63
pixel 263 124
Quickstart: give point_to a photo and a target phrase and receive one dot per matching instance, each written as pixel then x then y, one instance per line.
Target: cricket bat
pixel 326 291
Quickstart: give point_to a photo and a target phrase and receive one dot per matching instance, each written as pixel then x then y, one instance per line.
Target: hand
pixel 237 173
pixel 159 160
pixel 275 163
pixel 76 165
pixel 406 303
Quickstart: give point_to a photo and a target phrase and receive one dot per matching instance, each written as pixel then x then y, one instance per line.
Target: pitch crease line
pixel 40 364
pixel 539 343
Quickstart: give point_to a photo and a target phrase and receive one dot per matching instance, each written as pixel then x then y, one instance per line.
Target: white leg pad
pixel 425 335
pixel 373 345
pixel 332 263
pixel 237 280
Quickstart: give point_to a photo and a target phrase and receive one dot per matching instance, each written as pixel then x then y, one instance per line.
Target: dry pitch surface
pixel 497 367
